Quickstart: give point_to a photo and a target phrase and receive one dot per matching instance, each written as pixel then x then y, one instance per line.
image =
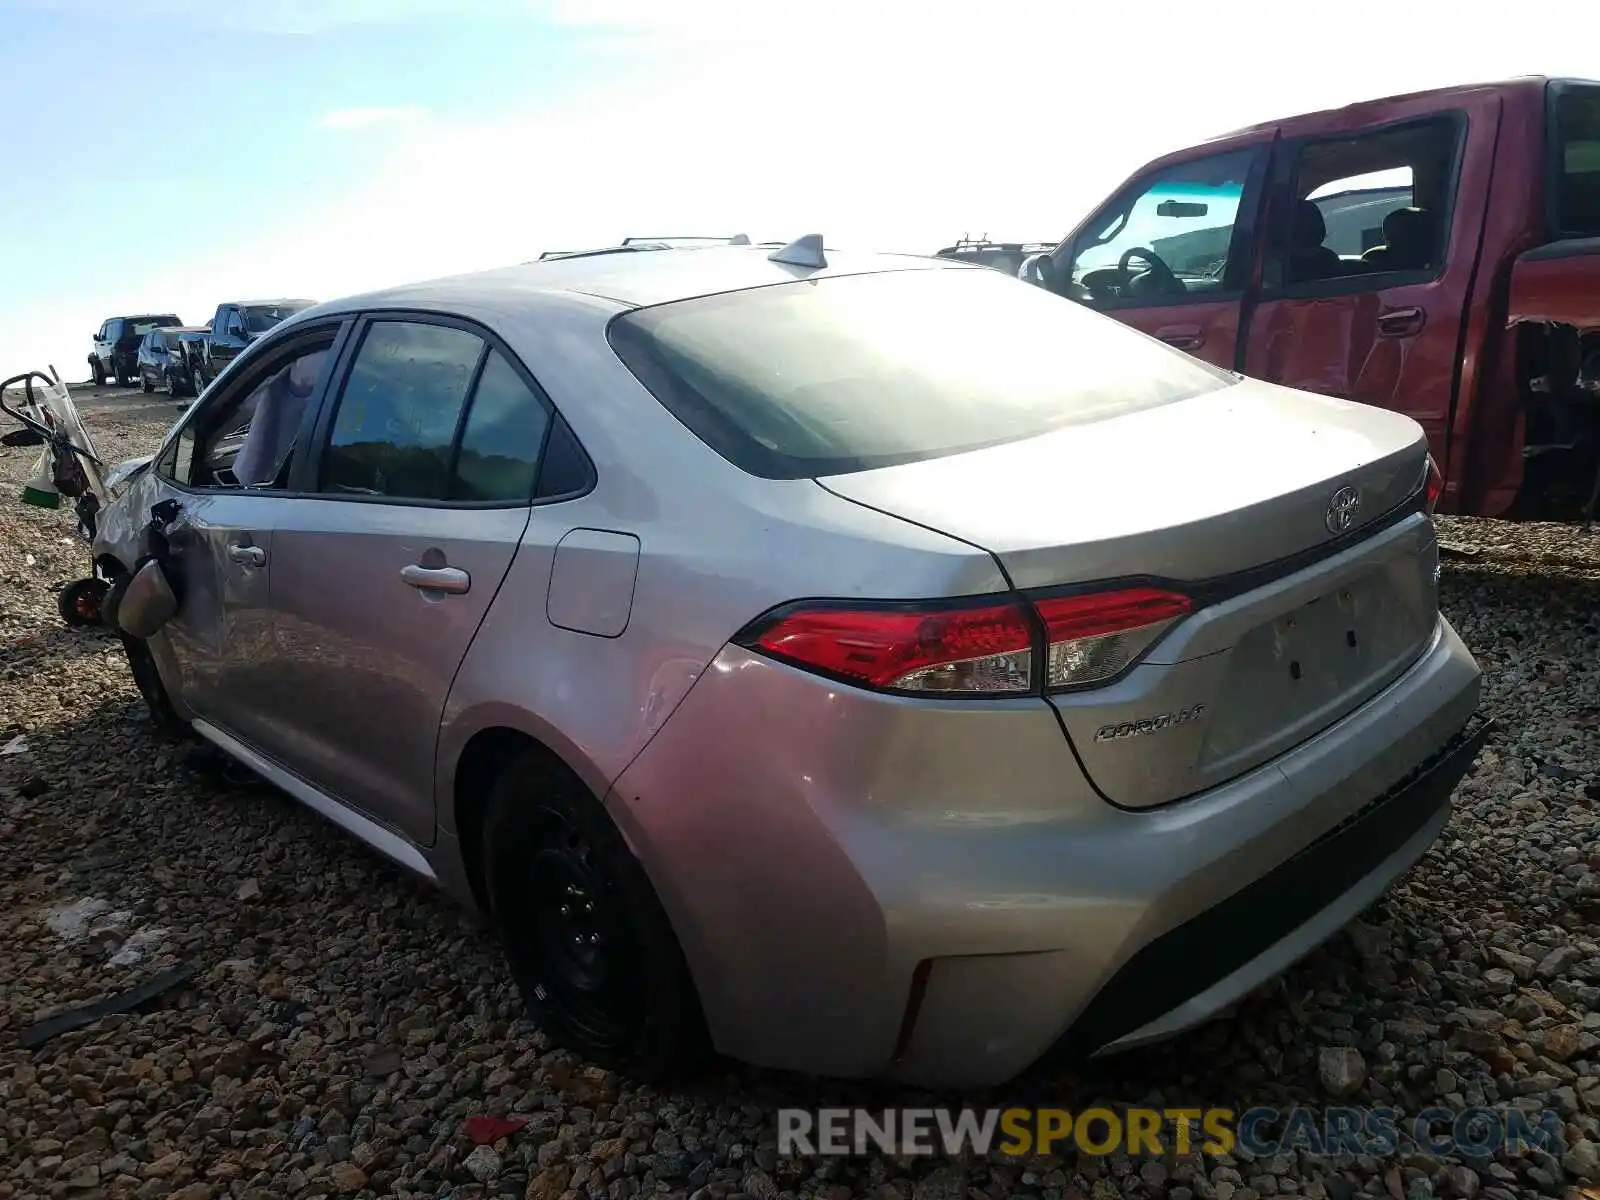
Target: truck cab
pixel 236 324
pixel 1387 252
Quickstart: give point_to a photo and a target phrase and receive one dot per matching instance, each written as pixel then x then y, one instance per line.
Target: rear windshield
pixel 851 372
pixel 258 318
pixel 143 325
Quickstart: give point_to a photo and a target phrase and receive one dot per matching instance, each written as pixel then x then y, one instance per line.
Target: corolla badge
pixel 1342 508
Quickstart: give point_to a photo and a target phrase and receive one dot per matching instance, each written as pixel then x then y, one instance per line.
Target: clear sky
pixel 164 155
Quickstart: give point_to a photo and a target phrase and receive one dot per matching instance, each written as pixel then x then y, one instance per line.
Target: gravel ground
pixel 342 1020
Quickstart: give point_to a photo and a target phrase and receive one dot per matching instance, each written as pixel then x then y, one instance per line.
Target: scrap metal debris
pixel 40 1032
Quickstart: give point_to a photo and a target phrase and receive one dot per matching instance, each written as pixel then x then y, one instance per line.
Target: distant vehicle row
pixel 160 351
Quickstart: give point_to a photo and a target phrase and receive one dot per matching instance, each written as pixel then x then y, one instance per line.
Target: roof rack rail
pixel 971 245
pixel 631 245
pixel 687 241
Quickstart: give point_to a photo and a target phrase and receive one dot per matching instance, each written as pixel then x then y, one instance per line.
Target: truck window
pixel 1375 203
pixel 1169 239
pixel 1575 143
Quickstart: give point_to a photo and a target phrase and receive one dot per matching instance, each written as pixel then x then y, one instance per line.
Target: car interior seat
pixel 1308 257
pixel 1408 236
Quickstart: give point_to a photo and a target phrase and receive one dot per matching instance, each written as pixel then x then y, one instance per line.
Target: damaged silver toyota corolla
pixel 865 665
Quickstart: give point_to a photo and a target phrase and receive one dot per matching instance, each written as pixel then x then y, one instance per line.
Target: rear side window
pixel 396 421
pixel 499 454
pixel 848 373
pixel 1576 169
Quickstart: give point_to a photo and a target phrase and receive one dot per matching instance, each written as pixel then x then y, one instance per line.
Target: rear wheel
pixel 79 602
pixel 144 381
pixel 589 945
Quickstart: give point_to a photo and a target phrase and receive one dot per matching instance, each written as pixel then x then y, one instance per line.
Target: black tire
pixel 589 945
pixel 146 385
pixel 79 602
pixel 142 665
pixel 99 369
pixel 123 378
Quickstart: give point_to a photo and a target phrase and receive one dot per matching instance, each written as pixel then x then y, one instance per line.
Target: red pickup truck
pixel 1435 253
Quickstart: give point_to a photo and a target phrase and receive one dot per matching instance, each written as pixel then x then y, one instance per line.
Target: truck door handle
pixel 1400 322
pixel 437 579
pixel 1184 337
pixel 249 556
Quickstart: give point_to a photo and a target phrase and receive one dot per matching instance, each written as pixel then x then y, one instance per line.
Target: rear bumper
pixel 866 885
pixel 1236 945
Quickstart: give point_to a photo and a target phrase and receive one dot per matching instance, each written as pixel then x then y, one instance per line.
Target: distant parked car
pixel 864 664
pixel 163 360
pixel 193 344
pixel 116 346
pixel 236 324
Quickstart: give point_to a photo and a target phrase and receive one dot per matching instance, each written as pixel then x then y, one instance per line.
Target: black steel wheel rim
pixel 569 943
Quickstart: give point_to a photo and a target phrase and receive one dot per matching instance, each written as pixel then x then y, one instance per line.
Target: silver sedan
pixel 867 665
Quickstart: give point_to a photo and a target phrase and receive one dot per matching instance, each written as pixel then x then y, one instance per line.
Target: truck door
pixel 1370 250
pixel 1170 254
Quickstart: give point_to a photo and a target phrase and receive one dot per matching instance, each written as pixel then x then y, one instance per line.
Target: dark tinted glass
pixel 565 469
pixel 258 318
pixel 1577 120
pixel 500 445
pixel 859 371
pixel 397 416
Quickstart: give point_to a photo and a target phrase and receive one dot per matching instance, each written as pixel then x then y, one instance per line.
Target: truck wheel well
pixel 1558 381
pixel 485 755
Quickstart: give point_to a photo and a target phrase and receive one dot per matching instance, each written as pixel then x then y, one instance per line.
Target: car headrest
pixel 1408 228
pixel 1309 227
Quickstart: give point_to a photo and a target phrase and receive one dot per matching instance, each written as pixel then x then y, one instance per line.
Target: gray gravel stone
pixel 345 1020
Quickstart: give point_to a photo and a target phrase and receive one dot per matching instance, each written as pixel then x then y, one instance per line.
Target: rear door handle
pixel 1184 337
pixel 249 556
pixel 437 579
pixel 1400 322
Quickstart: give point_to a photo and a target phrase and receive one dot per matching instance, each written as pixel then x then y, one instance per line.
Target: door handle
pixel 1184 337
pixel 1400 322
pixel 248 556
pixel 437 579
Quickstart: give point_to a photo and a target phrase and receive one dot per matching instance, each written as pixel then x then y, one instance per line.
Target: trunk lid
pixel 1306 605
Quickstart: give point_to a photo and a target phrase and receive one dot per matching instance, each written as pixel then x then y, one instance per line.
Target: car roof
pixel 632 280
pixel 265 303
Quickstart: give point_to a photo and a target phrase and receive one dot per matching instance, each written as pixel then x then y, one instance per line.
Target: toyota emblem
pixel 1342 508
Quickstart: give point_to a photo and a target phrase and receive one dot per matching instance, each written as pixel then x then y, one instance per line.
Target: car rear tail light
pixel 974 648
pixel 1435 487
pixel 1090 638
pixel 981 650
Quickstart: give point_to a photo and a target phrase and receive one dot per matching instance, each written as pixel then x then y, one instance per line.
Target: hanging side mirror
pixel 1038 269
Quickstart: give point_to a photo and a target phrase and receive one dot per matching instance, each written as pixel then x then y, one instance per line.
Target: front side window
pixel 1576 170
pixel 1167 240
pixel 246 438
pixel 1372 204
pixel 395 426
pixel 852 372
